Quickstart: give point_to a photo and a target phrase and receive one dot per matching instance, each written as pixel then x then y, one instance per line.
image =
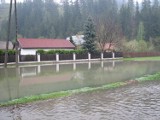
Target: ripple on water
pixel 136 102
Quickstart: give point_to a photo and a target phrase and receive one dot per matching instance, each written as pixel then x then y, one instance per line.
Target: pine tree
pixel 146 18
pixel 89 36
pixel 140 34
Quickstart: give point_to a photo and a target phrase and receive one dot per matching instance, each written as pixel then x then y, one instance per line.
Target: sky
pixel 23 0
pixel 60 0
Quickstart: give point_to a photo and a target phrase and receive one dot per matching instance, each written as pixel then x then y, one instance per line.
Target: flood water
pixel 134 102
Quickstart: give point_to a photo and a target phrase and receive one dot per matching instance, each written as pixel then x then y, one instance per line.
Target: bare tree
pixel 107 32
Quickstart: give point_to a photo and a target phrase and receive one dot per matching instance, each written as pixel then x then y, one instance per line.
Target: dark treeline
pixel 46 18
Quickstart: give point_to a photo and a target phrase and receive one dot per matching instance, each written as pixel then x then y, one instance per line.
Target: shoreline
pixel 13 64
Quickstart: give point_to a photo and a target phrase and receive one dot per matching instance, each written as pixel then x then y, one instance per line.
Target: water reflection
pixel 38 79
pixel 35 70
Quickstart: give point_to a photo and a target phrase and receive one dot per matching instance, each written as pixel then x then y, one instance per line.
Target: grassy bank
pixel 142 58
pixel 149 77
pixel 82 90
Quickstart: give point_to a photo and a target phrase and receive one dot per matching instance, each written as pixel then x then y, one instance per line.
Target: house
pixel 77 39
pixel 3 45
pixel 29 46
pixel 108 47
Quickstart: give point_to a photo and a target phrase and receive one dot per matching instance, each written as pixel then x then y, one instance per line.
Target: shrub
pixel 142 46
pixel 51 52
pixel 41 51
pixel 61 51
pixel 2 52
pixel 10 52
pixel 136 46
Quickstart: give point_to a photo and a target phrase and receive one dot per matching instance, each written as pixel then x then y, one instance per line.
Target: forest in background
pixel 139 24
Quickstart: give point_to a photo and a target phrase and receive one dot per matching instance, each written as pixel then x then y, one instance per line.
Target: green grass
pixel 149 77
pixel 29 99
pixel 142 58
pixel 81 90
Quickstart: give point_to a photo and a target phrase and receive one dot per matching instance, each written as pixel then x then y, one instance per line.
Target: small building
pixel 77 39
pixel 109 47
pixel 29 46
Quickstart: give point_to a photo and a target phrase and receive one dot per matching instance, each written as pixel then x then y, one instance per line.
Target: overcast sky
pixel 59 0
pixel 22 0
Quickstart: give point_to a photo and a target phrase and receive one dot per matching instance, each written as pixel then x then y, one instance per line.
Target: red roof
pixel 45 43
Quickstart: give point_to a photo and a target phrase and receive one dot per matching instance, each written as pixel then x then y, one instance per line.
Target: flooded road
pixel 42 79
pixel 133 102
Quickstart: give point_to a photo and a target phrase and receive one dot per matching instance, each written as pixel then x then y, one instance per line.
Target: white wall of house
pixel 33 51
pixel 28 51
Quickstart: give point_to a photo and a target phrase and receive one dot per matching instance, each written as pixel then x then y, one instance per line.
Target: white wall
pixel 28 51
pixel 33 51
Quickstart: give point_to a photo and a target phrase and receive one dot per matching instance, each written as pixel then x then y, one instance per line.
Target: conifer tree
pixel 89 36
pixel 140 34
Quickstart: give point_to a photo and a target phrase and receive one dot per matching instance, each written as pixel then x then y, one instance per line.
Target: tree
pixel 140 34
pixel 71 40
pixel 89 36
pixel 156 42
pixel 146 18
pixel 107 32
pixel 137 18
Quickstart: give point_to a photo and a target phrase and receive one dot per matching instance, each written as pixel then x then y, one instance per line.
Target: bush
pixel 61 51
pixel 2 52
pixel 142 46
pixel 136 46
pixel 10 52
pixel 41 51
pixel 156 43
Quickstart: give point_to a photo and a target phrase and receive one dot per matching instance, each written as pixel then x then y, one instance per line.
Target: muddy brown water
pixel 133 102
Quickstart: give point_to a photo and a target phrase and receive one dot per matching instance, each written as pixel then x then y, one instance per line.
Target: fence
pixel 140 54
pixel 82 56
pixel 11 58
pixel 65 56
pixel 24 58
pixel 60 57
pixel 48 57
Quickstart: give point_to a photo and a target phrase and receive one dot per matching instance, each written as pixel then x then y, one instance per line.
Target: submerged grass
pixel 35 98
pixel 82 90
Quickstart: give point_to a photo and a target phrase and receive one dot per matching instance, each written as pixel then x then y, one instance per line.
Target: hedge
pixel 10 52
pixel 61 51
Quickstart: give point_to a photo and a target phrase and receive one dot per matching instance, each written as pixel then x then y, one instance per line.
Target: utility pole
pixel 16 45
pixel 8 35
pixel 9 31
